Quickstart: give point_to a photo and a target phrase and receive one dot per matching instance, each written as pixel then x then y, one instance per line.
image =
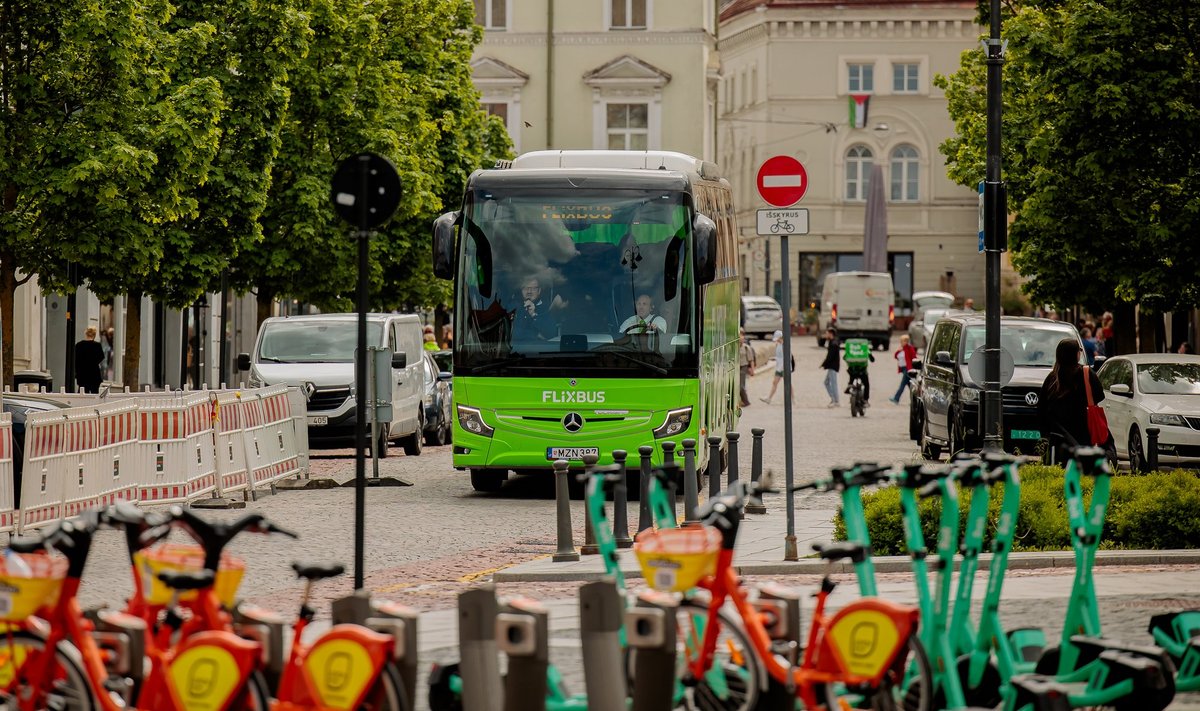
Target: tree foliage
pixel 1101 120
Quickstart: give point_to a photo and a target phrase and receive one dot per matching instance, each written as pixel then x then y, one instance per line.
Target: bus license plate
pixel 570 453
pixel 318 420
pixel 1026 434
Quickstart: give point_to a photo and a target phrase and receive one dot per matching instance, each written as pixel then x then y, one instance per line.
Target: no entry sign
pixel 782 181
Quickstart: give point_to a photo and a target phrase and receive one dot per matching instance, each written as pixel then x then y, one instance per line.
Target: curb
pixel 1063 560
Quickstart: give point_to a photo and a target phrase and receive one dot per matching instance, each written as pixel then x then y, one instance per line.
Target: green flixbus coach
pixel 595 308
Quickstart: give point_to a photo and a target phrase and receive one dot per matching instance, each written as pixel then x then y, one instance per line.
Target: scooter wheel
pixel 987 693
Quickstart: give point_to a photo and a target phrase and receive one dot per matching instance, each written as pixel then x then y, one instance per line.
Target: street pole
pixel 360 395
pixel 995 240
pixel 789 542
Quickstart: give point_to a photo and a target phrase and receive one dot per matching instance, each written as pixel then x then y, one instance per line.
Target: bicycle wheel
pixel 388 694
pixel 257 696
pixel 908 686
pixel 71 690
pixel 736 677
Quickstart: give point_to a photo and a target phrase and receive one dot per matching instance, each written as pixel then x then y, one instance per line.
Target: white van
pixel 858 305
pixel 316 354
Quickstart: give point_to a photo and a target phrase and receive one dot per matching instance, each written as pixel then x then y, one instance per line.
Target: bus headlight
pixel 471 420
pixel 677 422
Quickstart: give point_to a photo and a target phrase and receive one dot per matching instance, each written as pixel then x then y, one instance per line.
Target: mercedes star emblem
pixel 1031 398
pixel 572 422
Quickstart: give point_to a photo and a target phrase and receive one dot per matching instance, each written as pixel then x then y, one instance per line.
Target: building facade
pixel 580 74
pixel 844 87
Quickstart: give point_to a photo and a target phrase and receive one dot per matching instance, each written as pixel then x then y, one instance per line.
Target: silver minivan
pixel 316 354
pixel 761 316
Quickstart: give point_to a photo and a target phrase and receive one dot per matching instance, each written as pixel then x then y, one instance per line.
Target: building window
pixel 905 173
pixel 497 109
pixel 862 77
pixel 858 172
pixel 904 78
pixel 491 14
pixel 628 14
pixel 628 127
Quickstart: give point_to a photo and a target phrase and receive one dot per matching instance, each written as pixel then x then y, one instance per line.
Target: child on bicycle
pixel 857 354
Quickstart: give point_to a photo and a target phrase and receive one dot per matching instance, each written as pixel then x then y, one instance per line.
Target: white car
pixel 1159 390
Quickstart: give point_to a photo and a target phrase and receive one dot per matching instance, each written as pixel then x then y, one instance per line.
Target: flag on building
pixel 858 110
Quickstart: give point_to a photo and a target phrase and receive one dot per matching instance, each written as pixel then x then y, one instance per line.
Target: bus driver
pixel 644 320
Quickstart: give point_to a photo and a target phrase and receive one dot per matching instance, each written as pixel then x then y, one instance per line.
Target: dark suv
pixel 950 396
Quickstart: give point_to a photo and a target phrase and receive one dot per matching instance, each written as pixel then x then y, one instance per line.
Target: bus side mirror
pixel 704 243
pixel 243 361
pixel 443 245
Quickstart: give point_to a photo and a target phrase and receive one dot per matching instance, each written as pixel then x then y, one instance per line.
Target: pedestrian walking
pixel 831 365
pixel 778 368
pixel 1064 399
pixel 1090 345
pixel 1107 338
pixel 747 361
pixel 89 356
pixel 904 356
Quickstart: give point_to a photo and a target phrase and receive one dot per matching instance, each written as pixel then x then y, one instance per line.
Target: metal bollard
pixel 731 438
pixel 589 536
pixel 600 612
pixel 620 520
pixel 691 484
pixel 755 504
pixel 562 497
pixel 714 466
pixel 644 519
pixel 1151 449
pixel 650 628
pixel 523 633
pixel 671 467
pixel 479 668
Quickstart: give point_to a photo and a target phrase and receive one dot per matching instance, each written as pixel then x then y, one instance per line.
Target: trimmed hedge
pixel 1157 511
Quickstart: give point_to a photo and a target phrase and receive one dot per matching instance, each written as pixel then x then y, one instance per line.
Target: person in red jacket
pixel 904 356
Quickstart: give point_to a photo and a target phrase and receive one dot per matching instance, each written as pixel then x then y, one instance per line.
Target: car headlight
pixel 677 421
pixel 968 394
pixel 471 420
pixel 1176 420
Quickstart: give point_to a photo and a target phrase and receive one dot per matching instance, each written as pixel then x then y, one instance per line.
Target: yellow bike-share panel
pixel 186 557
pixel 866 637
pixel 675 559
pixel 28 582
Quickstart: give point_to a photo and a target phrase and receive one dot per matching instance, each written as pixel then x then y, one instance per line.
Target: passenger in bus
pixel 533 320
pixel 644 320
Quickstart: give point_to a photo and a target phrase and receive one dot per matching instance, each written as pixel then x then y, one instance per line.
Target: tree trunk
pixel 133 341
pixel 1124 328
pixel 1148 325
pixel 8 294
pixel 263 302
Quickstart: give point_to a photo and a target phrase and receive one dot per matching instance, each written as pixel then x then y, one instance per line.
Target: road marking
pixel 393 588
pixel 472 577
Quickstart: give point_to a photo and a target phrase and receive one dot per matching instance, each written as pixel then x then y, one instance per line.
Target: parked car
pixel 916 413
pixel 19 405
pixel 950 395
pixel 928 307
pixel 858 305
pixel 437 402
pixel 1153 390
pixel 761 316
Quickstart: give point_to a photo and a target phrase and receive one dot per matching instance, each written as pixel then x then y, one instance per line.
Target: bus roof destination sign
pixel 782 181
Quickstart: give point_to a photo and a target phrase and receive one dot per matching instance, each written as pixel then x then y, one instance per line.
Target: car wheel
pixel 914 421
pixel 488 480
pixel 437 437
pixel 1137 455
pixel 928 449
pixel 412 443
pixel 954 440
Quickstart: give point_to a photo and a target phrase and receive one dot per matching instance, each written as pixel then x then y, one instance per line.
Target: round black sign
pixel 366 190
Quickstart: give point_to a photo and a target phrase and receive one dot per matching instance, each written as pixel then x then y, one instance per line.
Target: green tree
pixel 389 77
pixel 1101 120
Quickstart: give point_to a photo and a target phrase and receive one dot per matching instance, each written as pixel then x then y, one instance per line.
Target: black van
pixel 950 396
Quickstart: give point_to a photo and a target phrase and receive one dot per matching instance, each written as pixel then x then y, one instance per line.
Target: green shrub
pixel 1156 512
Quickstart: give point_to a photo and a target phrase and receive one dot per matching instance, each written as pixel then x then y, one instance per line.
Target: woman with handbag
pixel 1069 402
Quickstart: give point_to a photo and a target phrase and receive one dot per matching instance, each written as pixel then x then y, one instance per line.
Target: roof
pixel 1146 358
pixel 739 7
pixel 980 317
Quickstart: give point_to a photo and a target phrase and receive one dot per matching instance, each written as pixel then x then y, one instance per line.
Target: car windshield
pixel 1029 345
pixel 926 303
pixel 308 341
pixel 1169 378
pixel 585 279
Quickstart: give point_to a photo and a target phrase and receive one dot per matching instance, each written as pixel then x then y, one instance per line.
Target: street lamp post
pixel 995 239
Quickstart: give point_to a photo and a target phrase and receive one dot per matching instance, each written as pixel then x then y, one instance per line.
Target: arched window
pixel 858 172
pixel 905 174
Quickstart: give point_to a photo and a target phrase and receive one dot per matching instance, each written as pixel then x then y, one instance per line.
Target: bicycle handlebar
pixel 213 536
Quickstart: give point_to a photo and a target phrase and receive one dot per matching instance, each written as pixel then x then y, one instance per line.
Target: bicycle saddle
pixel 26 544
pixel 318 571
pixel 187 579
pixel 856 552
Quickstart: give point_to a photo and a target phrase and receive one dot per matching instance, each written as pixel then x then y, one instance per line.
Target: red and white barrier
pixel 299 405
pixel 229 442
pixel 120 447
pixel 269 435
pixel 176 435
pixel 44 471
pixel 8 506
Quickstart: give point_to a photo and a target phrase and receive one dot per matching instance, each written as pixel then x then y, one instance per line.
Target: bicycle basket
pixel 675 559
pixel 186 556
pixel 28 584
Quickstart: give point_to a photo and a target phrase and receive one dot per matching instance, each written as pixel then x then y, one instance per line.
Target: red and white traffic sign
pixel 782 181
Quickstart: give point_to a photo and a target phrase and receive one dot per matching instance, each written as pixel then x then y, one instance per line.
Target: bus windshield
pixel 589 282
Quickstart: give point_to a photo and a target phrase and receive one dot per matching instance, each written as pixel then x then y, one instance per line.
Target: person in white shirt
pixel 644 321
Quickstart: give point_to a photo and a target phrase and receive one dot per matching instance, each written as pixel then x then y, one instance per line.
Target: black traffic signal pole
pixel 995 240
pixel 360 365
